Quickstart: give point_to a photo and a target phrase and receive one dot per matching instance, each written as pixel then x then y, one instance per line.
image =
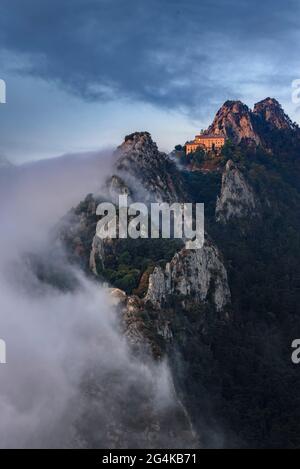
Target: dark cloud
pixel 172 53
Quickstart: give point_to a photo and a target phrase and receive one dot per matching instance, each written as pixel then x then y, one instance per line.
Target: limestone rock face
pixel 235 120
pixel 138 157
pixel 237 199
pixel 158 288
pixel 117 296
pixel 270 111
pixel 116 186
pixel 239 123
pixel 100 249
pixel 193 274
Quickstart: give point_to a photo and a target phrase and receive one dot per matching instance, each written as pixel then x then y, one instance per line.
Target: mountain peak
pixel 137 136
pixel 234 106
pixel 135 147
pixel 270 111
pixel 139 157
pixel 267 102
pixel 237 122
pixel 137 140
pixel 234 120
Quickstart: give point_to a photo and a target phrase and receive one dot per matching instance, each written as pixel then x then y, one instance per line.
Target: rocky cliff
pixel 193 274
pixel 270 111
pixel 239 123
pixel 188 273
pixel 168 271
pixel 235 120
pixel 237 198
pixel 147 169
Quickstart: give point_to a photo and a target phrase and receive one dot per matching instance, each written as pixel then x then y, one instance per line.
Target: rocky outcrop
pixel 237 198
pixel 235 120
pixel 99 250
pixel 116 186
pixel 76 231
pixel 239 123
pixel 193 277
pixel 138 157
pixel 270 111
pixel 199 274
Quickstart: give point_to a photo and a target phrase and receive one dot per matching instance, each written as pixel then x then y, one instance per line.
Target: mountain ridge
pixel 222 316
pixel 238 122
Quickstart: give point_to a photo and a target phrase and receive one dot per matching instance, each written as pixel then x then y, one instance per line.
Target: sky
pixel 81 74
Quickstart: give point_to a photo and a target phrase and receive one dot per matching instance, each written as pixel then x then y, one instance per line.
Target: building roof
pixel 206 136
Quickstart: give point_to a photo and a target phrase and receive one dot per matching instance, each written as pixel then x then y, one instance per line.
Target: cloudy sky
pixel 81 74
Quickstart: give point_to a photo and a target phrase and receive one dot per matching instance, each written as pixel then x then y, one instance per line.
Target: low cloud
pixel 70 379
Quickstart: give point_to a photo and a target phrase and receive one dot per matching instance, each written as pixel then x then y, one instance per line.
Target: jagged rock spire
pixel 234 120
pixel 139 157
pixel 270 111
pixel 237 122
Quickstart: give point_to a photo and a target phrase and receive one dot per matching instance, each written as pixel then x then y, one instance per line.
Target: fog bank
pixel 70 379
